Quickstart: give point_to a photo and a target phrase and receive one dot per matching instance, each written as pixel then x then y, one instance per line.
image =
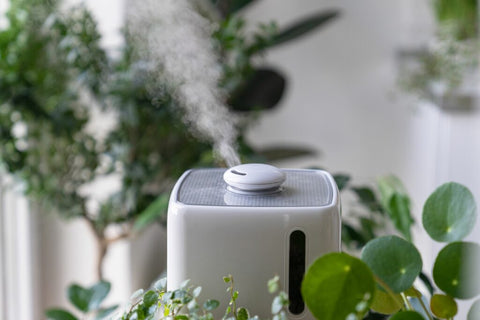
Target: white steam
pixel 176 43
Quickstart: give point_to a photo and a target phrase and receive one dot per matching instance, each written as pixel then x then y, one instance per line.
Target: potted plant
pixel 446 71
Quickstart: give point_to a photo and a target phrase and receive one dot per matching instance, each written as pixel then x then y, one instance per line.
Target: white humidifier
pixel 253 221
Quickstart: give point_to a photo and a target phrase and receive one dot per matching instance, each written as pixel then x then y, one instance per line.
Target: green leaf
pixel 336 284
pixel 367 198
pixel 88 299
pixel 407 315
pixel 100 292
pixel 196 292
pixel 456 270
pixel 474 312
pixel 105 312
pixel 59 314
pixel 229 7
pixel 154 211
pixel 262 90
pixel 150 298
pixel 449 213
pixel 396 203
pixel 211 305
pixel 384 303
pixel 273 285
pixel 306 25
pixel 443 306
pixel 341 180
pixel 394 260
pixel 242 314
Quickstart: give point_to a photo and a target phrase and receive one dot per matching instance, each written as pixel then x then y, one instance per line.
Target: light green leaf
pixel 407 315
pixel 456 270
pixel 474 312
pixel 335 284
pixel 396 203
pixel 384 303
pixel 443 306
pixel 154 211
pixel 449 213
pixel 58 314
pixel 394 260
pixel 211 305
pixel 105 312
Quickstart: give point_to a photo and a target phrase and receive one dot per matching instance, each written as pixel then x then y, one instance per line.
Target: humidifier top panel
pixel 302 188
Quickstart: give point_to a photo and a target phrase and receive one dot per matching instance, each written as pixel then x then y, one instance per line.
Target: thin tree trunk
pixel 102 251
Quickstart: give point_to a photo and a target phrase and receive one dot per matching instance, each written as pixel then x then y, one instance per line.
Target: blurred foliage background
pixel 57 82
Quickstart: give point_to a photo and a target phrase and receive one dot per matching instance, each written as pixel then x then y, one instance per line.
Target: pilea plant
pixel 340 286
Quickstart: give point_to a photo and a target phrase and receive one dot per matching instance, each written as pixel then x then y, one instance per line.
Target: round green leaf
pixel 449 213
pixel 384 303
pixel 443 306
pixel 337 285
pixel 456 270
pixel 474 312
pixel 394 260
pixel 407 315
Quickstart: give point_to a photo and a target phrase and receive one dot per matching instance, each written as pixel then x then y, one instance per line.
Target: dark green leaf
pixel 58 314
pixel 426 281
pixel 304 26
pixel 150 298
pixel 396 203
pixel 456 270
pixel 242 314
pixel 210 305
pixel 272 154
pixel 262 90
pixel 228 7
pixel 443 306
pixel 79 297
pixel 88 299
pixel 407 315
pixel 449 213
pixel 181 317
pixel 474 312
pixel 367 198
pixel 154 211
pixel 351 235
pixel 341 180
pixel 336 284
pixel 394 260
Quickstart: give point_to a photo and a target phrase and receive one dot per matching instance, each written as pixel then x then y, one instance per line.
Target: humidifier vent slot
pixel 296 271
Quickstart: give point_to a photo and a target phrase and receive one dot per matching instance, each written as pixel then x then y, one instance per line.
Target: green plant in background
pixel 453 54
pixel 383 279
pixel 54 78
pixel 86 300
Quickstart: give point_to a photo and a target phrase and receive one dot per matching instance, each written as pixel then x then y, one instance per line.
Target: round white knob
pixel 254 177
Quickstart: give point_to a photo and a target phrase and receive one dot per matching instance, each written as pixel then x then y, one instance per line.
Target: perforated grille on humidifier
pixel 206 187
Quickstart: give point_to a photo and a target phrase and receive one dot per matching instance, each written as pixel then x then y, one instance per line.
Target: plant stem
pixel 419 297
pixel 390 292
pixel 407 303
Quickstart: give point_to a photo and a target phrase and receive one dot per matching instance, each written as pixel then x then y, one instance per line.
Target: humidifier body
pixel 216 229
